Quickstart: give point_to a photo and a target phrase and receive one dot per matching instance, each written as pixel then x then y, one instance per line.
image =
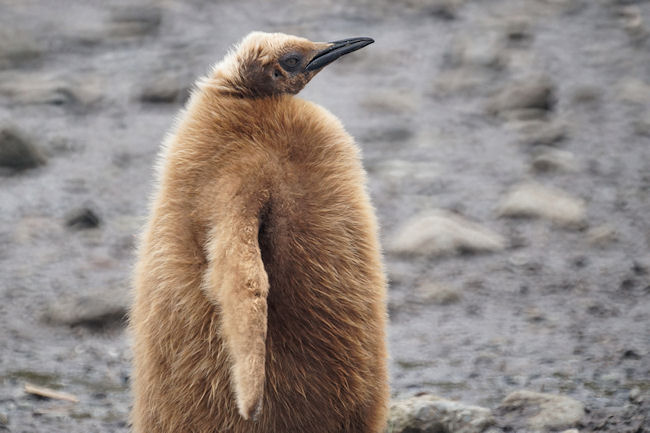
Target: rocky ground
pixel 508 150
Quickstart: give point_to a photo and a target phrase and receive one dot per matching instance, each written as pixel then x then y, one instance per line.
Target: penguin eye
pixel 290 62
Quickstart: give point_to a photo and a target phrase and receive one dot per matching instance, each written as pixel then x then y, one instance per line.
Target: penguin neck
pixel 249 111
pixel 242 82
pixel 232 116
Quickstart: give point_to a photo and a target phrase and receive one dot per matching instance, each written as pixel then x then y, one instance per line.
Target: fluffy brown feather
pixel 259 289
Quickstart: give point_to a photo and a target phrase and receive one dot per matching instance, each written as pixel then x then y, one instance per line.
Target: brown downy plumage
pixel 260 293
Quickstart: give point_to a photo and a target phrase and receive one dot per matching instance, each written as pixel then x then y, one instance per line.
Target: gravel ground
pixel 508 149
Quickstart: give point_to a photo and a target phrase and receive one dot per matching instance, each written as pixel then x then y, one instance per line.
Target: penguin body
pixel 259 289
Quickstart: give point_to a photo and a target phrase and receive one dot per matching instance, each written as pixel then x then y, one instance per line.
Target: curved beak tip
pixel 335 50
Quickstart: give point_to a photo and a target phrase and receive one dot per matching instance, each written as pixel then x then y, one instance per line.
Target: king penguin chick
pixel 259 288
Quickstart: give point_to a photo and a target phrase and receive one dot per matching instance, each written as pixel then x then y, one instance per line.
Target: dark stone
pixel 628 284
pixel 83 218
pixel 580 262
pixel 518 32
pixel 639 268
pixel 17 152
pixel 601 310
pixel 158 95
pixel 631 354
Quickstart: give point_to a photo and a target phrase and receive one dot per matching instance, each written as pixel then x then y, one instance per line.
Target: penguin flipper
pixel 238 284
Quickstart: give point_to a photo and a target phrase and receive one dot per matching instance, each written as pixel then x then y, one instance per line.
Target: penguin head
pixel 266 64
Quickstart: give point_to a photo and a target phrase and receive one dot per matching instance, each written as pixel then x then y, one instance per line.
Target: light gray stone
pixel 540 133
pixel 633 90
pixel 440 232
pixel 101 309
pixel 166 88
pixel 554 160
pixel 432 414
pixel 635 395
pixel 541 411
pixel 631 19
pixel 435 293
pixel 534 200
pixel 602 235
pixel 33 89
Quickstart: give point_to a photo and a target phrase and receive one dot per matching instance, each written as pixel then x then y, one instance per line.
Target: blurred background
pixel 508 149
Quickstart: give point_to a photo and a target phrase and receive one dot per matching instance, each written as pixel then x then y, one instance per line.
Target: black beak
pixel 336 50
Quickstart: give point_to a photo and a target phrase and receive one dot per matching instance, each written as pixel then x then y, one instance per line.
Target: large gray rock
pixel 35 89
pixel 540 411
pixel 99 310
pixel 440 232
pixel 17 152
pixel 533 94
pixel 432 414
pixel 534 200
